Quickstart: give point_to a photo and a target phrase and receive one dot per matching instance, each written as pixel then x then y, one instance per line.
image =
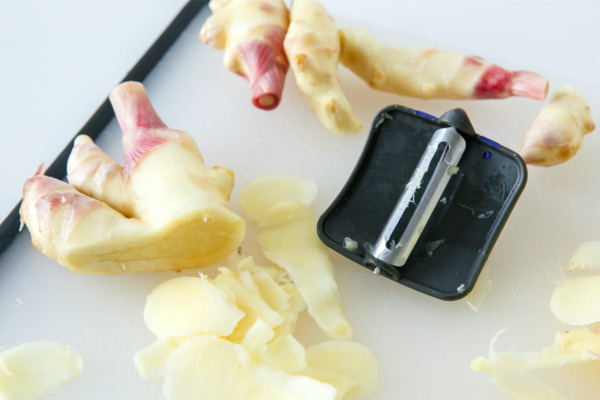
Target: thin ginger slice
pixel 349 359
pixel 558 130
pixel 587 256
pixel 249 301
pixel 186 306
pixel 280 203
pixel 432 73
pixel 284 353
pixel 261 194
pixel 577 301
pixel 312 46
pixel 297 249
pixel 512 371
pixel 206 367
pixel 340 382
pixel 151 361
pixel 33 370
pixel 272 292
pixel 290 317
pixel 256 338
pixel 251 32
pixel 164 210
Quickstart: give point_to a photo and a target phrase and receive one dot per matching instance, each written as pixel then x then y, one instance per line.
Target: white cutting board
pixel 424 346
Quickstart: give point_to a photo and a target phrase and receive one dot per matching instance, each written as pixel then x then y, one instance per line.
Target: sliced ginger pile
pixel 164 210
pixel 232 336
pixel 575 302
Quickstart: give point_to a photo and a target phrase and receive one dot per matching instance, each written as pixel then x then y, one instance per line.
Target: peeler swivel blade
pixel 452 146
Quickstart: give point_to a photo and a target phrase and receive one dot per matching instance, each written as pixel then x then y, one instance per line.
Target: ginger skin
pixel 251 32
pixel 431 73
pixel 312 45
pixel 164 210
pixel 558 130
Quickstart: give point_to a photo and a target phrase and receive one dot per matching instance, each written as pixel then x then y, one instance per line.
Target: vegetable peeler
pixel 426 201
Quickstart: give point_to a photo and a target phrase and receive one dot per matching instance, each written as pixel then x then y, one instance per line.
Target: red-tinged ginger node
pixel 138 144
pixel 267 66
pixel 494 83
pixel 497 83
pixel 138 121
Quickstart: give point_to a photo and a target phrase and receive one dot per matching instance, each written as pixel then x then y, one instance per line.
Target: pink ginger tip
pixel 529 84
pixel 138 121
pixel 267 67
pixel 497 83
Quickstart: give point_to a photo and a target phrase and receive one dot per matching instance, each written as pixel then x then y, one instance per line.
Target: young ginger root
pixel 164 210
pixel 312 45
pixel 558 130
pixel 431 73
pixel 252 33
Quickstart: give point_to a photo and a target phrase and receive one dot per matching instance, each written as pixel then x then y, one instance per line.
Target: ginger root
pixel 431 73
pixel 557 132
pixel 312 45
pixel 164 210
pixel 251 32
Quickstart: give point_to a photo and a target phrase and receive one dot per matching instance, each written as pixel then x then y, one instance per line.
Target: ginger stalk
pixel 163 211
pixel 251 32
pixel 558 130
pixel 431 73
pixel 313 48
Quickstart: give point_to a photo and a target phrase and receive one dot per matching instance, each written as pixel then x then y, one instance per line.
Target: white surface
pixel 61 59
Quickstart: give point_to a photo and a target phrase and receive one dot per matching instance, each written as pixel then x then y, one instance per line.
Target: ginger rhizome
pixel 164 210
pixel 432 73
pixel 558 130
pixel 251 32
pixel 312 45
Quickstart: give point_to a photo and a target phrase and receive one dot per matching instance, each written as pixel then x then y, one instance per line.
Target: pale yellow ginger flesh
pixel 512 371
pixel 249 301
pixel 312 46
pixel 298 249
pixel 587 256
pixel 348 359
pixel 151 361
pixel 34 370
pixel 164 210
pixel 577 301
pixel 261 358
pixel 574 301
pixel 291 242
pixel 341 383
pixel 261 194
pixel 209 368
pixel 558 130
pixel 187 305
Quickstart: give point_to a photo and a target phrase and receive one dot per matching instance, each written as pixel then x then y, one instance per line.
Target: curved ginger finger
pixel 252 33
pixel 313 48
pixel 431 73
pixel 558 130
pixel 164 211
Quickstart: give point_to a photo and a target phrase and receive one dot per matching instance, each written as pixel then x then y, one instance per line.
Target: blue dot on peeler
pixel 487 155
